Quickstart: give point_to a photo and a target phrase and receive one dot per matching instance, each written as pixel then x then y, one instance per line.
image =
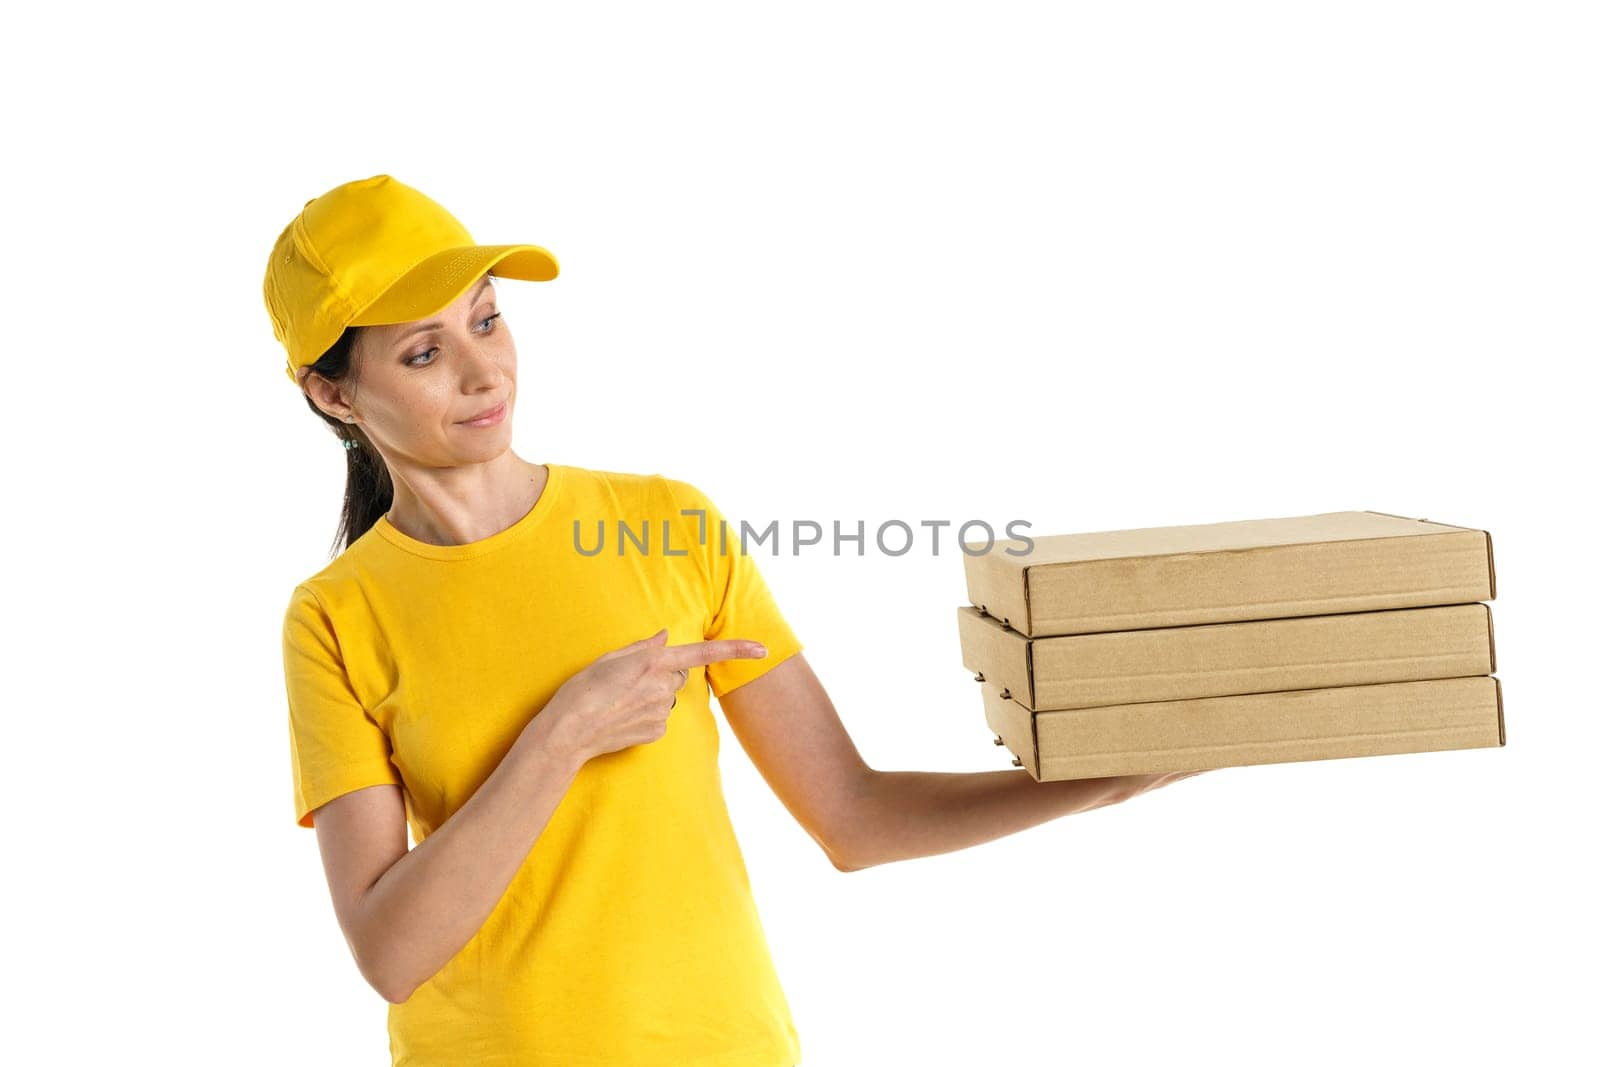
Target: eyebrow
pixel 434 324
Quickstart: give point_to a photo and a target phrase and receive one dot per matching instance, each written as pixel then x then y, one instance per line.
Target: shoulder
pixel 342 588
pixel 639 489
pixel 314 603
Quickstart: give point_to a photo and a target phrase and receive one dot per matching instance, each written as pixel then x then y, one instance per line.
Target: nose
pixel 480 367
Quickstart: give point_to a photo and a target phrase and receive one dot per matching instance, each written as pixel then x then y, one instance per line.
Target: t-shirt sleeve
pixel 335 747
pixel 741 605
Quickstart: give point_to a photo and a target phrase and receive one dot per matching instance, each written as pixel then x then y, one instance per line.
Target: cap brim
pixel 434 284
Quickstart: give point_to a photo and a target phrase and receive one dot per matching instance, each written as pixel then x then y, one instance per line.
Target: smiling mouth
pixel 490 414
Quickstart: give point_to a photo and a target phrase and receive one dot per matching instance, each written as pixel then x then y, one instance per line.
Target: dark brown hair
pixel 368 492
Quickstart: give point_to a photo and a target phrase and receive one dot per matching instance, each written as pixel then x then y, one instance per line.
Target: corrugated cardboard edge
pixel 994 652
pixel 1499 705
pixel 1033 741
pixel 1032 697
pixel 1027 609
pixel 1025 625
pixel 1488 621
pixel 1011 708
pixel 1488 546
pixel 991 588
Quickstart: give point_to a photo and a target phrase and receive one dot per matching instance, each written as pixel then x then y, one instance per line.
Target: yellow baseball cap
pixel 372 252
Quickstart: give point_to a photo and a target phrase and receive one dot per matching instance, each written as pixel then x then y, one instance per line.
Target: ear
pixel 328 396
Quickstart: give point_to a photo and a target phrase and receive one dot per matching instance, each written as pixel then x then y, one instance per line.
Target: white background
pixel 1094 266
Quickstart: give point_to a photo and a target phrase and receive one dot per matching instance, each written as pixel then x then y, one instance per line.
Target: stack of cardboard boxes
pixel 1350 633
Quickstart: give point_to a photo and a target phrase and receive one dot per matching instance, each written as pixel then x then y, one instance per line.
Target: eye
pixel 418 360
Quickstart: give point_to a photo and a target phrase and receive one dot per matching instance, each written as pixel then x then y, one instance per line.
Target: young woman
pixel 537 713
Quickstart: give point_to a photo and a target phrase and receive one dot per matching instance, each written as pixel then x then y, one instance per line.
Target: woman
pixel 537 712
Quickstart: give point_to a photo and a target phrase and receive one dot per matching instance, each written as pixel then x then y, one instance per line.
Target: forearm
pixel 428 905
pixel 902 815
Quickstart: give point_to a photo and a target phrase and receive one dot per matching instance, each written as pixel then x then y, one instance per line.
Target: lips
pixel 486 413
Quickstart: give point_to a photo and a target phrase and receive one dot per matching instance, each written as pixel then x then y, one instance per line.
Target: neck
pixel 459 505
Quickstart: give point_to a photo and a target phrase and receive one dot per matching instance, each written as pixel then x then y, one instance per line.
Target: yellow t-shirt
pixel 630 935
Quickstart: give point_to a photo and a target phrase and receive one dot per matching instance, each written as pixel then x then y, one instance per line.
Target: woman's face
pixel 418 385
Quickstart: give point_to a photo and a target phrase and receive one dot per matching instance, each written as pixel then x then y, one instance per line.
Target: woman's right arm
pixel 406 913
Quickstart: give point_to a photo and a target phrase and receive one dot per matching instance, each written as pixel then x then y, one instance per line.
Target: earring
pixel 349 443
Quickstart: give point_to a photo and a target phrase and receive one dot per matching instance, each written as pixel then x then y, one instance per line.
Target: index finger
pixel 701 653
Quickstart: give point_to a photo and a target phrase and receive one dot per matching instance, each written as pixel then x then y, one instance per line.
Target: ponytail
pixel 368 492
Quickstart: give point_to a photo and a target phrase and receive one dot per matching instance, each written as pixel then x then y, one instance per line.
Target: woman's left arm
pixel 862 817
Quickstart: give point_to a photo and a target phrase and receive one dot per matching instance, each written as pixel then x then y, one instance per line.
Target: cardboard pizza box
pixel 1226 659
pixel 1289 726
pixel 1323 564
